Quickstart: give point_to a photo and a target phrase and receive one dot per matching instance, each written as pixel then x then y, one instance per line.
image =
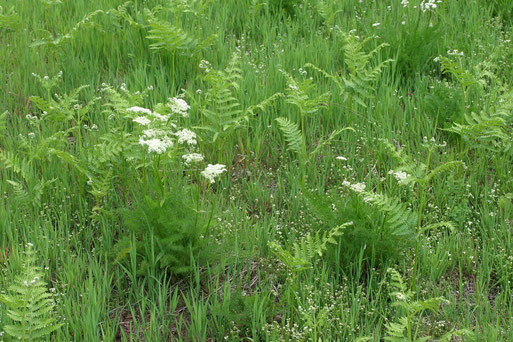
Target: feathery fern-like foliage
pixel 356 85
pixel 308 248
pixel 30 304
pixel 489 129
pixel 175 226
pixel 165 36
pixel 403 329
pixel 9 19
pixel 293 136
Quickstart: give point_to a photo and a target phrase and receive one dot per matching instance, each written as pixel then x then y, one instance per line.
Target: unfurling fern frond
pixel 30 304
pixel 293 136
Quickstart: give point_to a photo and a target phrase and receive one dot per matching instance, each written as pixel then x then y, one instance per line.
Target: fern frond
pixel 30 304
pixel 86 21
pixel 308 248
pixel 263 104
pixel 399 219
pixel 9 19
pixel 449 166
pixel 396 330
pixel 293 136
pixel 165 36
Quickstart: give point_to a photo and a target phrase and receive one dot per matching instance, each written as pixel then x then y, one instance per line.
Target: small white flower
pixel 376 24
pixel 455 53
pixel 141 120
pixel 400 176
pixel 31 135
pixel 193 158
pixel 179 106
pixel 157 145
pixel 213 171
pixel 293 87
pixel 341 158
pixel 358 187
pixel 187 136
pixel 136 109
pixel 405 3
pixel 204 65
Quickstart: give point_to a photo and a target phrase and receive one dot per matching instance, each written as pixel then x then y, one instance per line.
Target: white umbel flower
pixel 157 145
pixel 358 187
pixel 160 116
pixel 400 176
pixel 213 171
pixel 136 109
pixel 192 158
pixel 141 120
pixel 187 136
pixel 179 106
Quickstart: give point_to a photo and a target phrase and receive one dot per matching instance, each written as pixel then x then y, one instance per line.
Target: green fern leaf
pixel 292 135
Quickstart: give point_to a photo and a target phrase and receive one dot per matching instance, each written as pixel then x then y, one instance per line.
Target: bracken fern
pixel 30 304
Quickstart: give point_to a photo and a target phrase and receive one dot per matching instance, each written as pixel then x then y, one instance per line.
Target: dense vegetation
pixel 256 170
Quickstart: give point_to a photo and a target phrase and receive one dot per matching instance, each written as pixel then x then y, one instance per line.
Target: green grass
pixel 138 246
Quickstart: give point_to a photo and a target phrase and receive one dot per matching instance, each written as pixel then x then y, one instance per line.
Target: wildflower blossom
pixel 213 171
pixel 136 109
pixel 401 176
pixel 179 106
pixel 455 53
pixel 405 3
pixel 160 116
pixel 358 187
pixel 187 136
pixel 427 5
pixel 141 120
pixel 157 145
pixel 192 158
pixel 157 140
pixel 341 158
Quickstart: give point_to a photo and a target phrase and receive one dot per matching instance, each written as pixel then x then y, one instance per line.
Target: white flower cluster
pixel 139 110
pixel 179 106
pixel 141 120
pixel 400 176
pixel 187 136
pixel 356 187
pixel 193 158
pixel 146 111
pixel 157 140
pixel 211 172
pixel 405 3
pixel 428 5
pixel 455 53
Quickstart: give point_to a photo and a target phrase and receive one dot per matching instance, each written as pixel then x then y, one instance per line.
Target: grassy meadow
pixel 256 170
